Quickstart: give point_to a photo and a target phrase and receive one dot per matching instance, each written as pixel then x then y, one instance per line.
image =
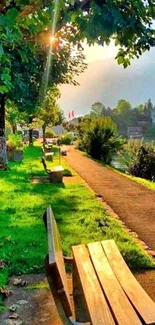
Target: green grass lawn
pixel 23 240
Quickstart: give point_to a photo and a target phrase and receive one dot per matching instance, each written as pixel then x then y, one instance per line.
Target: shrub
pixel 19 132
pixel 140 159
pixel 66 139
pixel 15 142
pixel 50 134
pixel 99 138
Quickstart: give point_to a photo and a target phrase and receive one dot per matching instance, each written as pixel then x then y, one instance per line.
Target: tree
pixel 123 116
pixel 13 116
pixel 50 113
pixel 24 24
pixel 24 56
pixel 140 109
pixel 123 107
pixel 148 108
pixel 98 110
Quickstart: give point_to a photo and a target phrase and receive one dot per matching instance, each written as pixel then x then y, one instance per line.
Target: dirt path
pixel 36 306
pixel 134 203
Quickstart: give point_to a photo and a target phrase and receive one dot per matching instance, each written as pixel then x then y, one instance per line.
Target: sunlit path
pixel 134 203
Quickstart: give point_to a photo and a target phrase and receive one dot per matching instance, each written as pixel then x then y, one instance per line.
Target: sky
pixel 96 52
pixel 107 82
pixel 92 53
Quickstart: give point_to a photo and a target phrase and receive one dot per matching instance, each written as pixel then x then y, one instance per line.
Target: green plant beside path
pixel 98 137
pixel 81 219
pixel 149 184
pixel 15 142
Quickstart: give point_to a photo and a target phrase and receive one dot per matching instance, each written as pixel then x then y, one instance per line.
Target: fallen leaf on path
pixel 13 307
pixel 22 302
pixel 19 282
pixel 14 316
pixel 5 291
pixel 2 265
pixel 16 282
pixel 14 322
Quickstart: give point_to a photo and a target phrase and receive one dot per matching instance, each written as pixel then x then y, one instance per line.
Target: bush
pixel 19 132
pixel 140 159
pixel 99 138
pixel 15 142
pixel 50 134
pixel 66 139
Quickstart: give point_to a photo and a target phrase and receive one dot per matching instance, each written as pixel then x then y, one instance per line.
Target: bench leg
pixel 77 323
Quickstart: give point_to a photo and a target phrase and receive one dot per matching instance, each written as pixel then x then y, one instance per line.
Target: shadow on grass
pixel 67 172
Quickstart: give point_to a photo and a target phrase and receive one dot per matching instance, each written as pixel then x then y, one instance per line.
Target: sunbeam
pixel 48 65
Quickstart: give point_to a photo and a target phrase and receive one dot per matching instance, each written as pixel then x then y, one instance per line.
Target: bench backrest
pixel 42 149
pixel 55 267
pixel 44 164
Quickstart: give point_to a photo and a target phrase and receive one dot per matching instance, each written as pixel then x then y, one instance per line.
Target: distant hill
pixel 107 82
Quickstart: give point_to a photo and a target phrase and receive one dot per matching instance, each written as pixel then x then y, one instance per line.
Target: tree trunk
pixel 30 137
pixel 3 152
pixel 44 132
pixel 14 128
pixel 30 132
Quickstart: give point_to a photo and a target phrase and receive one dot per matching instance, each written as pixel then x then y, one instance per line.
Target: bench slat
pixel 118 301
pixel 56 261
pixel 97 306
pixel 137 295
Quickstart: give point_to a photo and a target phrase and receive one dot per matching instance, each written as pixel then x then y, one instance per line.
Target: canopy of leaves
pixel 24 23
pixel 128 22
pixel 13 116
pixel 25 31
pixel 123 107
pixel 98 109
pixel 50 113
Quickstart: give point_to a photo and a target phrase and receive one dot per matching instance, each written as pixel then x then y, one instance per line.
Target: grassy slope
pixel 150 185
pixel 23 241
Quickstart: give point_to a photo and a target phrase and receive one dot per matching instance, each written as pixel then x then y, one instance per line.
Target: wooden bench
pixel 47 147
pixel 111 293
pixel 55 174
pixel 47 155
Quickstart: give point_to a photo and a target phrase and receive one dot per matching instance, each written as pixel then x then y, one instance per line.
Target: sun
pixel 52 39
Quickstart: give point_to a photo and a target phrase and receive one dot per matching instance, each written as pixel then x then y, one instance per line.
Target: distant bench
pixel 48 155
pixel 111 293
pixel 55 174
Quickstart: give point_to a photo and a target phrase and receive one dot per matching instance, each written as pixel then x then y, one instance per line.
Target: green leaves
pixel 1 50
pixel 129 22
pixel 6 79
pixel 12 15
pixel 25 30
pixel 3 89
